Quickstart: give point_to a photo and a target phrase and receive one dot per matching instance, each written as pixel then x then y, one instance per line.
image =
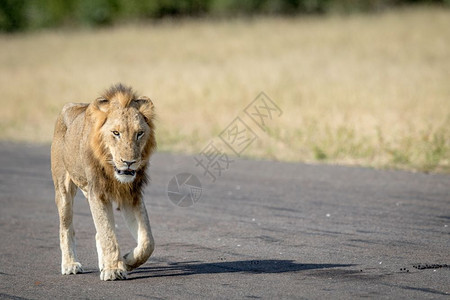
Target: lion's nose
pixel 128 163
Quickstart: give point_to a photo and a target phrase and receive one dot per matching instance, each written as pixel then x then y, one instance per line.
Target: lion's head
pixel 122 137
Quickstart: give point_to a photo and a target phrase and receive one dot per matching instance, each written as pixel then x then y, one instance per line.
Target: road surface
pixel 263 229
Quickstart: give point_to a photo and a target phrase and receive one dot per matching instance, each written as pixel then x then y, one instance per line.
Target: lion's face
pixel 125 135
pixel 122 137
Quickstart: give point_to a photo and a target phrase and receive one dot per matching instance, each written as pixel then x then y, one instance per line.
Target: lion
pixel 103 148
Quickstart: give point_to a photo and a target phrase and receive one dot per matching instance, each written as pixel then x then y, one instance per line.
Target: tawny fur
pixel 92 149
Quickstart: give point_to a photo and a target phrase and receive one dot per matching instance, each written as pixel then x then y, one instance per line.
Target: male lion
pixel 103 148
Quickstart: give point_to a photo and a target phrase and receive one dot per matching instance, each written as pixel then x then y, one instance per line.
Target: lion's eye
pixel 139 134
pixel 116 133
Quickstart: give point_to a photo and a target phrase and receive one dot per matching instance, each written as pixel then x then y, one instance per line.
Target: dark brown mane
pixel 121 89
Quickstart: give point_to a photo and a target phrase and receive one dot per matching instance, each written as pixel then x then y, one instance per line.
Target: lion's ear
pixel 146 107
pixel 102 104
pixel 97 111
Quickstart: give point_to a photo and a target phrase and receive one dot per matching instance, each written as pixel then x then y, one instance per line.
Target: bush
pixel 19 15
pixel 12 15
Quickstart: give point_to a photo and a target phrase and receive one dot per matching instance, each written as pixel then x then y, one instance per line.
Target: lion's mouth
pixel 129 172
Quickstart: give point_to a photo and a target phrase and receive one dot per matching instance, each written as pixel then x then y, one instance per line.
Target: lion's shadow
pixel 268 266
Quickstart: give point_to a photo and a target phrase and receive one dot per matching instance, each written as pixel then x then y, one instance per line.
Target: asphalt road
pixel 261 230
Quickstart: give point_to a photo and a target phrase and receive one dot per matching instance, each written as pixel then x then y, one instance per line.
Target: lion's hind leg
pixel 65 191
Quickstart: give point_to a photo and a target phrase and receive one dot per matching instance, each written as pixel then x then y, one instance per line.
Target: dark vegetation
pixel 22 15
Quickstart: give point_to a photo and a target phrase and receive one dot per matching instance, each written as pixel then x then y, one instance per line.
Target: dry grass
pixel 365 89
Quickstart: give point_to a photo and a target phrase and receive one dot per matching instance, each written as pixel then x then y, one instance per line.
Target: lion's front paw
pixel 113 274
pixel 72 268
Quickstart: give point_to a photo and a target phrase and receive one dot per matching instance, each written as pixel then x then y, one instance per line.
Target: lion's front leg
pixel 137 220
pixel 111 263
